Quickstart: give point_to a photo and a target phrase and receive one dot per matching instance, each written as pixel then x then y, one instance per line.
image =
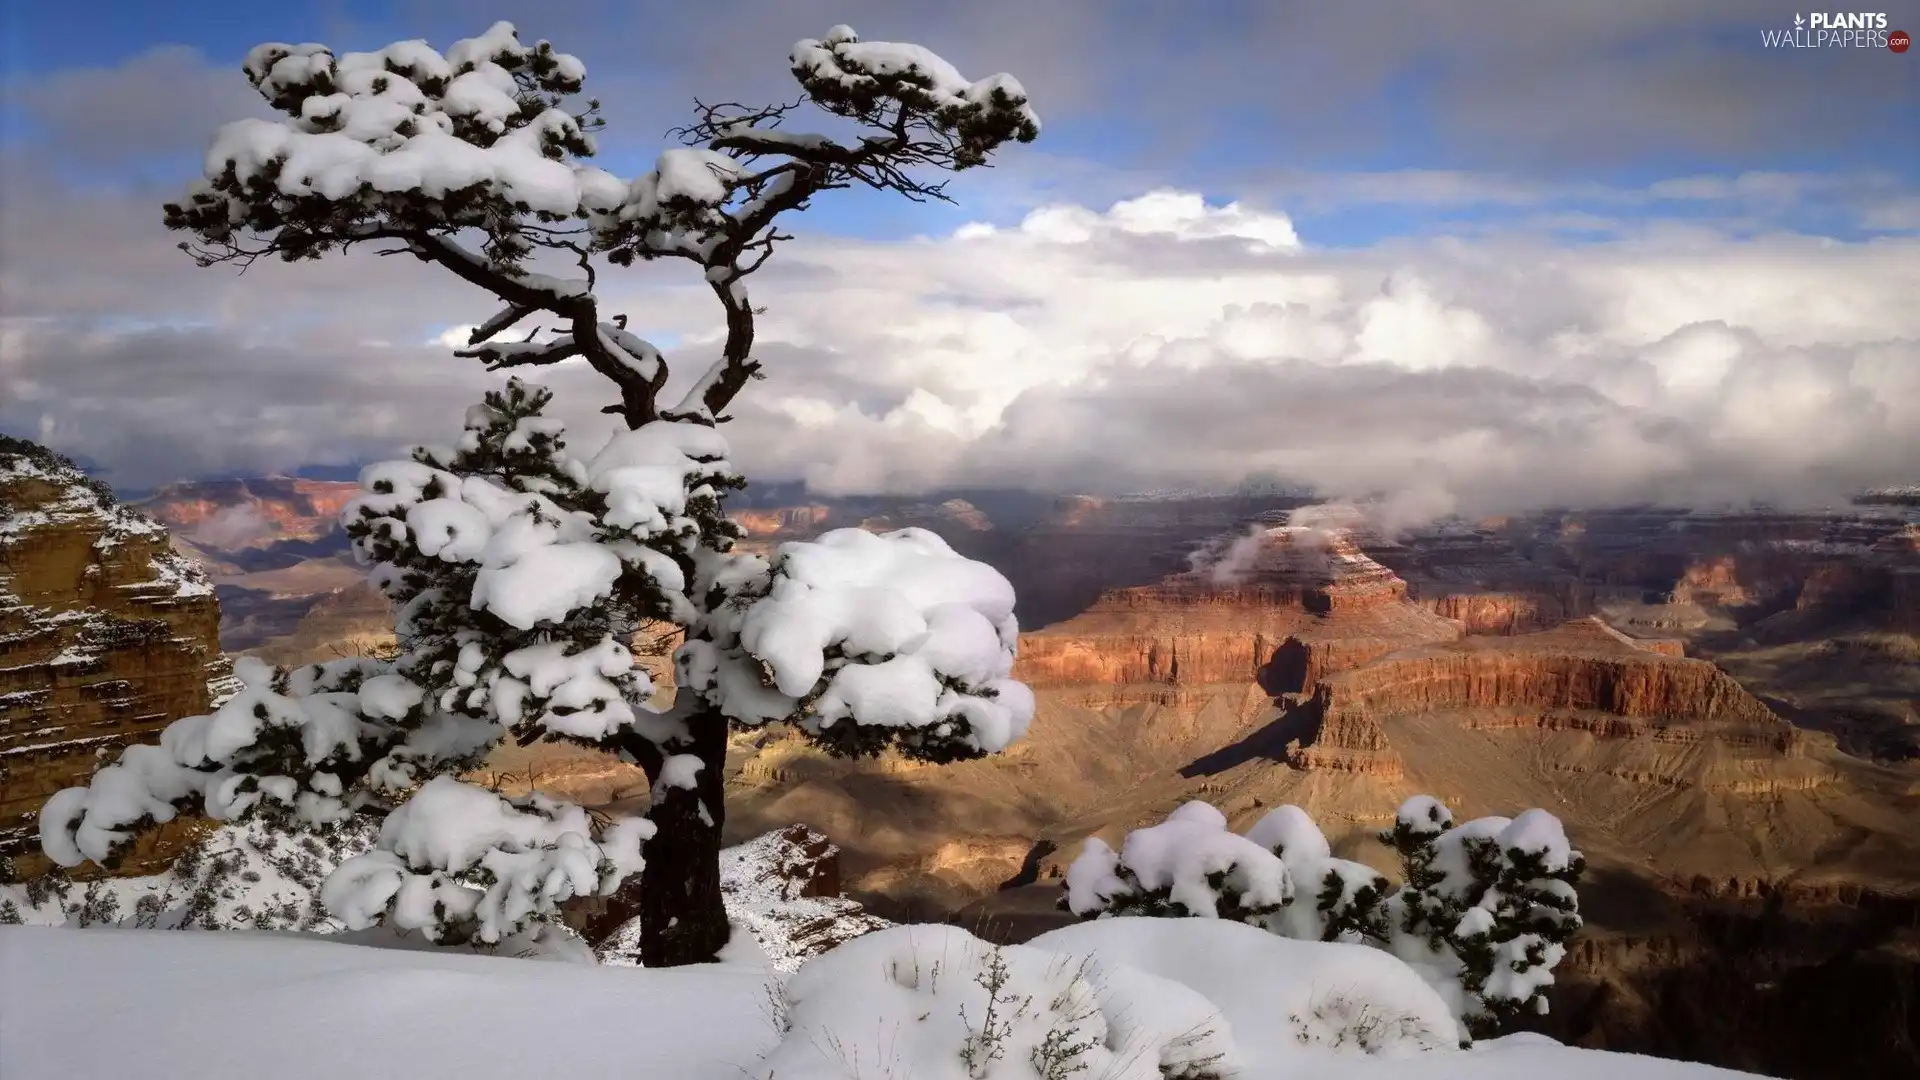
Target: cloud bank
pixel 1157 342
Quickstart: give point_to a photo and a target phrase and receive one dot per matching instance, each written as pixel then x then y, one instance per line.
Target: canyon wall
pixel 106 636
pixel 1278 608
pixel 1582 677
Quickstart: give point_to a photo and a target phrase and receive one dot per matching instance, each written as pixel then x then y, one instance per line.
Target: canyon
pixel 1721 706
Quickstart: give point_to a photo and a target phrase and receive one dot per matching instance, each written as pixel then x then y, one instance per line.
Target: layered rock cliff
pixel 1279 607
pixel 106 636
pixel 1583 677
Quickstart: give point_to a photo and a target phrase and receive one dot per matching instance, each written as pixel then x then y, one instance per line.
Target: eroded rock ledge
pixel 106 636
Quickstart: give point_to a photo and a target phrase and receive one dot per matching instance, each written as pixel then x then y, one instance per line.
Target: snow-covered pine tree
pixel 1490 903
pixel 473 160
pixel 1484 911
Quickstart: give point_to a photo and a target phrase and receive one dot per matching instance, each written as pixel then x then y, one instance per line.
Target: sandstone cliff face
pixel 1584 666
pixel 1278 607
pixel 1499 611
pixel 1584 677
pixel 106 636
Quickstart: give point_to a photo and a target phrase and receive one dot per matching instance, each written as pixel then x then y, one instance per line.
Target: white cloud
pixel 1087 348
pixel 1162 212
pixel 1157 342
pixel 453 337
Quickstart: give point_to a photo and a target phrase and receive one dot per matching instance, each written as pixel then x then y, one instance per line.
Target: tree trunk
pixel 683 917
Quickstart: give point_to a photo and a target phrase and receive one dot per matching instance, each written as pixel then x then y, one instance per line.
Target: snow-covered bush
pixel 520 571
pixel 1484 911
pixel 1280 998
pixel 1281 875
pixel 1489 904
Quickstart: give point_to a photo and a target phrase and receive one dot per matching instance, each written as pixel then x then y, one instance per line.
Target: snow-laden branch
pixel 456 855
pixel 313 746
pixel 410 145
pixel 404 137
pixel 867 641
pixel 506 354
pixel 909 89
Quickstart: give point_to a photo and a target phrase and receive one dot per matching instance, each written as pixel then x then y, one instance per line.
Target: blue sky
pixel 1578 108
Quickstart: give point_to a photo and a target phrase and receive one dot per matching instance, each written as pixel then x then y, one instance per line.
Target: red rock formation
pixel 1281 607
pixel 228 515
pixel 1497 612
pixel 106 636
pixel 1713 580
pixel 766 522
pixel 1584 676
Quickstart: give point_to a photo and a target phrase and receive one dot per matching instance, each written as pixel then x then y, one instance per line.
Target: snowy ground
pixel 764 881
pixel 107 1004
pixel 236 1006
pixel 100 988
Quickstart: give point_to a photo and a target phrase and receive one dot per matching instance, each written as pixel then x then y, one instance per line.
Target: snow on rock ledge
pixel 110 635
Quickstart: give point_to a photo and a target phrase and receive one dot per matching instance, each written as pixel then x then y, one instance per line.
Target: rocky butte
pixel 106 636
pixel 1277 607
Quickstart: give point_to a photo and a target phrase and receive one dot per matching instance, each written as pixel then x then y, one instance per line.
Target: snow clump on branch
pixel 367 134
pixel 857 79
pixel 868 640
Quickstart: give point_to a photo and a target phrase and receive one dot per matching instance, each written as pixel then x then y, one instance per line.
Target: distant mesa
pixel 1278 606
pixel 227 516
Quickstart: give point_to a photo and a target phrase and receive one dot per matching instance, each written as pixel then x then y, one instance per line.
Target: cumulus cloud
pixel 1157 342
pixel 1499 374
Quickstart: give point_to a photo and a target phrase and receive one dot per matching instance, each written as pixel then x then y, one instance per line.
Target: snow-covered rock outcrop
pixel 106 636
